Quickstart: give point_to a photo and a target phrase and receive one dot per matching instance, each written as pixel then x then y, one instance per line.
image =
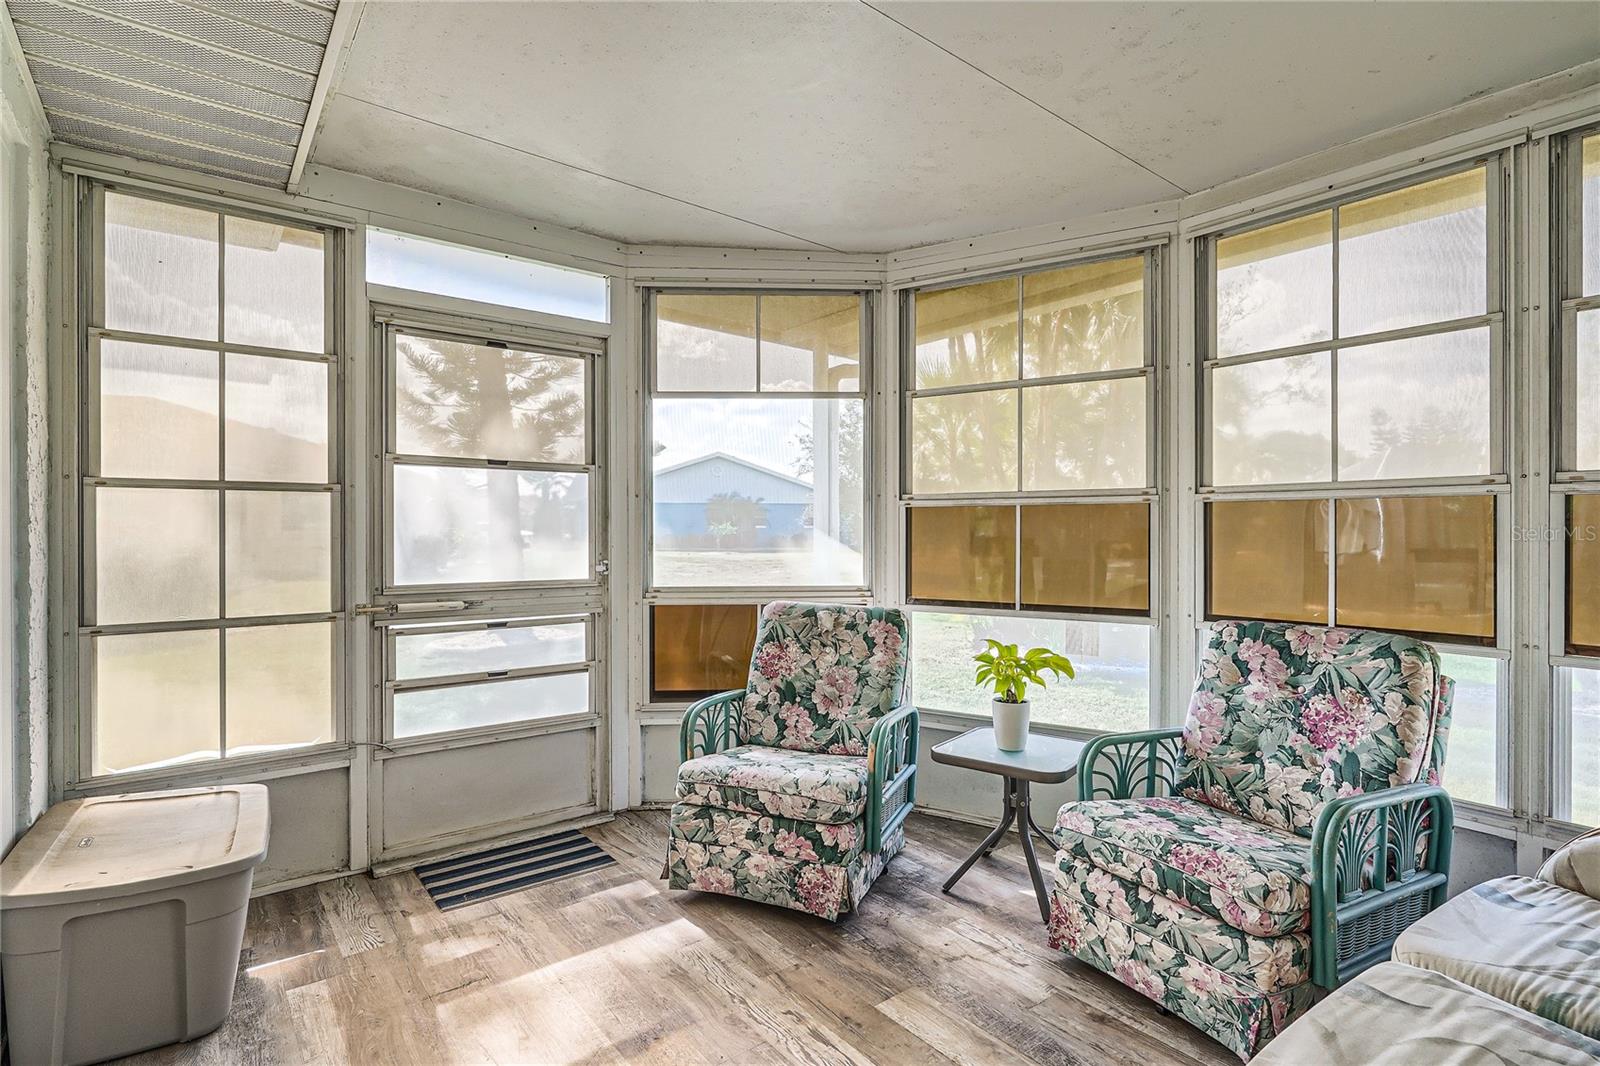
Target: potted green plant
pixel 1009 672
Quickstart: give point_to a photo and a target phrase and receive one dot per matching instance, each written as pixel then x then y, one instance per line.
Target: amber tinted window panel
pixel 1085 435
pixel 705 343
pixel 810 343
pixel 1268 559
pixel 1423 564
pixel 700 649
pixel 1086 556
pixel 1583 574
pixel 962 555
pixel 1083 319
pixel 1274 286
pixel 967 335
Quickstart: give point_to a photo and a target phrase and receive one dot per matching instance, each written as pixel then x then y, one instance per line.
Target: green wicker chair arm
pixel 891 773
pixel 1130 765
pixel 1379 861
pixel 710 725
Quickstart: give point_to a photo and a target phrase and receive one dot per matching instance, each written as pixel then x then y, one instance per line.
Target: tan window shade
pixel 968 335
pixel 1084 318
pixel 700 649
pixel 962 555
pixel 705 342
pixel 1268 559
pixel 1274 286
pixel 1583 574
pixel 965 442
pixel 1086 557
pixel 1421 564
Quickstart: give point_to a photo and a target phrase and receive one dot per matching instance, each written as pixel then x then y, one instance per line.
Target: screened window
pixel 490 461
pixel 210 614
pixel 1029 484
pixel 422 264
pixel 1576 508
pixel 1352 471
pixel 1399 384
pixel 758 430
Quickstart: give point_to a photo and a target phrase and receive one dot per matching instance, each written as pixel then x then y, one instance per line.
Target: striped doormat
pixel 510 868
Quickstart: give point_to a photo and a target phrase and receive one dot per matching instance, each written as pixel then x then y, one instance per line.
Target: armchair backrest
pixel 821 674
pixel 1286 718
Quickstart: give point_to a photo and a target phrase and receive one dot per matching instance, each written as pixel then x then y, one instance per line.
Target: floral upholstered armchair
pixel 793 790
pixel 1277 843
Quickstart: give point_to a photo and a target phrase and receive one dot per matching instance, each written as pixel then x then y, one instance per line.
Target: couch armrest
pixel 1575 865
pixel 1137 765
pixel 891 773
pixel 710 725
pixel 1379 861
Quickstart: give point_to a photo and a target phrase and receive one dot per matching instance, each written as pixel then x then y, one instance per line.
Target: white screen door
pixel 488 609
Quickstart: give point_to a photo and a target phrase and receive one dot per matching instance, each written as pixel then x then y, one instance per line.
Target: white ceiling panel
pixel 1209 92
pixel 823 121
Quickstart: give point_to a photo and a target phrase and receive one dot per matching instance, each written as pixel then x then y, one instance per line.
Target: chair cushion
pixel 1286 718
pixel 1522 940
pixel 814 787
pixel 762 834
pixel 1398 1015
pixel 821 675
pixel 1249 876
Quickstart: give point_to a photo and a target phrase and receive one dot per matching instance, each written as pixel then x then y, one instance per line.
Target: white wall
pixel 24 218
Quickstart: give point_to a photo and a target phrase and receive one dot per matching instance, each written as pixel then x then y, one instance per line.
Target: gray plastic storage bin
pixel 121 919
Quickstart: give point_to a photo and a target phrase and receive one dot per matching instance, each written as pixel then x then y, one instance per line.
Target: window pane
pixel 705 343
pixel 474 401
pixel 1591 216
pixel 277 419
pixel 700 649
pixel 1086 556
pixel 410 262
pixel 965 556
pixel 158 411
pixel 1275 286
pixel 1587 403
pixel 155 700
pixel 1422 565
pixel 1268 559
pixel 462 526
pixel 1415 408
pixel 1082 319
pixel 488 703
pixel 419 652
pixel 964 443
pixel 155 555
pixel 1084 435
pixel 1415 255
pixel 1582 692
pixel 1583 573
pixel 280 687
pixel 275 285
pixel 1111 692
pixel 967 335
pixel 161 268
pixel 810 343
pixel 758 492
pixel 1471 749
pixel 280 552
pixel 1272 421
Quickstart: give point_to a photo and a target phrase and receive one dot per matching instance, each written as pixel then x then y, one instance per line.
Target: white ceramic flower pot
pixel 1010 725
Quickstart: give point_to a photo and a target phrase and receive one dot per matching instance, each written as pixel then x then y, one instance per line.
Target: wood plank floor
pixel 611 967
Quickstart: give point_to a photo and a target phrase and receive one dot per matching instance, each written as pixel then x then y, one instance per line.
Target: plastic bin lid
pixel 111 846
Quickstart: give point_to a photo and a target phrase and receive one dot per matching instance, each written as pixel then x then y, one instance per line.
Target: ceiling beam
pixel 341 36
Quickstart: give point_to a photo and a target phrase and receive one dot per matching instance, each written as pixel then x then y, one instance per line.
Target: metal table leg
pixel 1017 808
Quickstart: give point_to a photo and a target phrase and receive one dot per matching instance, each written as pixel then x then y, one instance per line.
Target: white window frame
pixel 87 276
pixel 1155 253
pixel 1499 179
